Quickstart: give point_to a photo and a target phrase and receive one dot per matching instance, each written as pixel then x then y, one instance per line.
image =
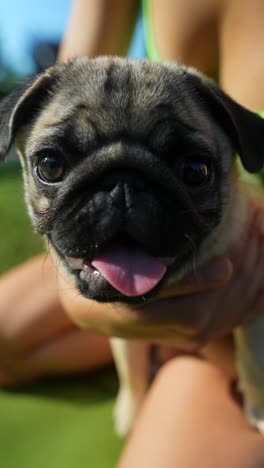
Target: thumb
pixel 212 275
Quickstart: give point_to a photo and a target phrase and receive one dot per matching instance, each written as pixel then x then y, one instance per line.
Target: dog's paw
pixel 255 417
pixel 125 411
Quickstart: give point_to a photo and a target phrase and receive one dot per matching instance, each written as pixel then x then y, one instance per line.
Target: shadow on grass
pixel 18 242
pixel 83 389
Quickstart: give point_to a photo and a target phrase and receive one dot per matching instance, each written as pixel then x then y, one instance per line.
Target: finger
pixel 213 275
pixel 185 315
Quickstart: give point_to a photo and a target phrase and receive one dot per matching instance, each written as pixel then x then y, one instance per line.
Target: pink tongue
pixel 132 272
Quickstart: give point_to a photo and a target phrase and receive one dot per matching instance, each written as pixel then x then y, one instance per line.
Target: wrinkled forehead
pixel 113 84
pixel 109 97
pixel 123 85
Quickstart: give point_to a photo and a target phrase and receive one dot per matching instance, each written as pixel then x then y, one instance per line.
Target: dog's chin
pixel 93 285
pixel 98 289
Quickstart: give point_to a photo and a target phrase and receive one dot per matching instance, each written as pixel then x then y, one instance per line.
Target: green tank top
pixel 151 49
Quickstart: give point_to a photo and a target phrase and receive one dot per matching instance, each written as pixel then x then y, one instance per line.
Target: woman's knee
pixel 188 369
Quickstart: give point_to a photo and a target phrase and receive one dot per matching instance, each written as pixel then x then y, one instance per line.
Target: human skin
pixel 99 27
pixel 36 337
pixel 198 395
pixel 190 419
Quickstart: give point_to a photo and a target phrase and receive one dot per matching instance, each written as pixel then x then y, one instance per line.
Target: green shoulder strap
pixel 151 49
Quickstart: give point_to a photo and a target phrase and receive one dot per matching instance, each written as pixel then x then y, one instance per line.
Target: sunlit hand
pixel 209 303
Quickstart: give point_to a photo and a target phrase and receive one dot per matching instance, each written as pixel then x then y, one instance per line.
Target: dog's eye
pixel 51 168
pixel 193 173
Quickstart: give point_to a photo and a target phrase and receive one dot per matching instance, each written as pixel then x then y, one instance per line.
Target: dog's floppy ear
pixel 20 107
pixel 245 128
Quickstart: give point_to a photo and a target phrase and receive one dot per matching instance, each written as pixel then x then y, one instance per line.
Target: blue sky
pixel 22 22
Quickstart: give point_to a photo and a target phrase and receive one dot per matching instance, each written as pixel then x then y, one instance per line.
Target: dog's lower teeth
pixel 75 263
pixel 87 266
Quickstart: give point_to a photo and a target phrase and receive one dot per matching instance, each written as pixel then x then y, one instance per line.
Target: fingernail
pixel 218 270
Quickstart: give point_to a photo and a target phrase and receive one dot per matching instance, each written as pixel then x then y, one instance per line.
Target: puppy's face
pixel 129 169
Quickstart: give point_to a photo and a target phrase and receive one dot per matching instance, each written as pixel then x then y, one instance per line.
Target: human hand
pixel 207 304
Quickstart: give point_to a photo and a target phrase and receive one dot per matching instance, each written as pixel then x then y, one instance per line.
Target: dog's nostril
pixel 111 181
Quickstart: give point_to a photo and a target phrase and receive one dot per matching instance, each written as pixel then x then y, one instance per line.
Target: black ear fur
pixel 20 107
pixel 245 128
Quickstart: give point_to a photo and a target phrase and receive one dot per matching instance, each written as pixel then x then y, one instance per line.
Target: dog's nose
pixel 121 179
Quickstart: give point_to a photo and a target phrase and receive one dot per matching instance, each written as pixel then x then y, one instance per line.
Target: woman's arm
pixel 99 27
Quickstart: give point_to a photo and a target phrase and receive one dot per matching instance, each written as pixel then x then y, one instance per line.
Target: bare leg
pixel 99 27
pixel 189 419
pixel 36 337
pixel 241 51
pixel 186 31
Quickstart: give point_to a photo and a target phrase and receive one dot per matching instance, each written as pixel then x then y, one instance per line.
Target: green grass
pixel 17 239
pixel 61 423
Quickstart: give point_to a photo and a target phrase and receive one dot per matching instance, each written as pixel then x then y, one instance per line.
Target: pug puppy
pixel 131 175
